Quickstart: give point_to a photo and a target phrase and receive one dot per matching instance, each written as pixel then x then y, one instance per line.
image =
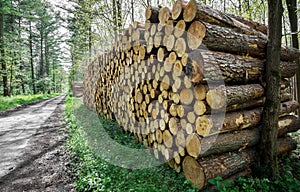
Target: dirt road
pixel 32 149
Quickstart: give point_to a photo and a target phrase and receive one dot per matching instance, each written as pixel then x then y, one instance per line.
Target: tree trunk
pixel 2 52
pixel 132 11
pixel 22 63
pixel 47 65
pixel 41 70
pixel 268 145
pixel 31 58
pixel 292 9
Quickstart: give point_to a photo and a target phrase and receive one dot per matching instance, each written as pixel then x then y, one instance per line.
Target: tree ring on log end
pixel 216 98
pixel 193 171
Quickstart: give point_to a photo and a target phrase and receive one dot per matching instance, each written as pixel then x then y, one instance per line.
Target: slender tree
pixel 268 161
pixel 2 52
pixel 31 59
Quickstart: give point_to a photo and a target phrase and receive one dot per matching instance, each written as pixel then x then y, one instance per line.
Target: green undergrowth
pixel 288 180
pixel 93 173
pixel 15 101
pixel 94 168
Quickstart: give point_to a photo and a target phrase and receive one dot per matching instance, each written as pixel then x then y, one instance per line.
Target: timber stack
pixel 189 84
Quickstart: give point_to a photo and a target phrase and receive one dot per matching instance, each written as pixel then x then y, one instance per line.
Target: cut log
pixel 224 39
pixel 195 35
pixel 219 66
pixel 180 46
pixel 286 145
pixel 186 96
pixel 218 98
pixel 200 92
pixel 225 165
pixel 167 139
pixel 177 9
pixel 193 145
pixel 152 14
pixel 199 172
pixel 169 42
pixel 250 118
pixel 164 15
pixel 252 24
pixel 161 54
pixel 256 103
pixel 237 120
pixel 169 27
pixel 198 11
pixel 236 140
pixel 288 124
pixel 180 28
pixel 203 125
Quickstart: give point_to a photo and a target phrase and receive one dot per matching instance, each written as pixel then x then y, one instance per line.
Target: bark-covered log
pixel 288 124
pixel 219 98
pixel 224 39
pixel 252 24
pixel 215 124
pixel 198 11
pixel 227 164
pixel 255 103
pixel 219 66
pixel 237 140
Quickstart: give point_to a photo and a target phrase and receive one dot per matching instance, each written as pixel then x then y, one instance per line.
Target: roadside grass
pixel 93 173
pixel 15 101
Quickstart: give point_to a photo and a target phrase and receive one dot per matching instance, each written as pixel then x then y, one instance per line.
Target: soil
pixel 33 155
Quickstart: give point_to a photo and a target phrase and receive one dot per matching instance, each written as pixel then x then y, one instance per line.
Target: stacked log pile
pixel 77 89
pixel 189 84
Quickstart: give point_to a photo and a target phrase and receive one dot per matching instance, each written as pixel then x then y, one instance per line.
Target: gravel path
pixel 32 149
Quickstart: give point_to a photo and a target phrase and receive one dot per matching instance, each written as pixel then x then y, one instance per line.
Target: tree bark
pixel 232 95
pixel 225 39
pixel 198 147
pixel 197 11
pixel 31 58
pixel 227 164
pixel 2 51
pixel 268 145
pixel 254 103
pixel 210 124
pixel 292 10
pixel 233 69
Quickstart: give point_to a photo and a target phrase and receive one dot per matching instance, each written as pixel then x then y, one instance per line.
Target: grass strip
pixel 15 101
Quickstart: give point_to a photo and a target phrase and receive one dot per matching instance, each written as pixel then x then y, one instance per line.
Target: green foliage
pixel 95 174
pixel 287 181
pixel 32 45
pixel 14 101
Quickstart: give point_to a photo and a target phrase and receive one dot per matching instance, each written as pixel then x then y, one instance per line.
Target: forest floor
pixel 32 148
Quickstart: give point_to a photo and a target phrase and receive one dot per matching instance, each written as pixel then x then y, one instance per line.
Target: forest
pixel 45 44
pixel 218 102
